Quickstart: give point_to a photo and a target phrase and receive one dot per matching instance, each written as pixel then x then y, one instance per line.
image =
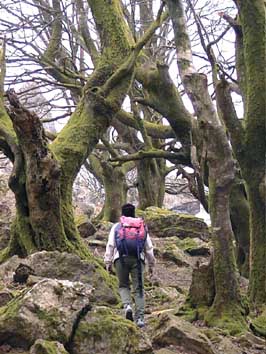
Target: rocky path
pixel 68 306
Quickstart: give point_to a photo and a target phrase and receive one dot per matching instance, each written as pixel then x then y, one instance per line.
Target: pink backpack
pixel 130 236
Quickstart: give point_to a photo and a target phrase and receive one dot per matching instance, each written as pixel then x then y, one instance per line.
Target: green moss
pixel 4 254
pixel 186 244
pixel 48 347
pixel 187 312
pixel 53 322
pixel 80 219
pixel 258 325
pixel 110 280
pixel 11 309
pixel 109 332
pixel 230 320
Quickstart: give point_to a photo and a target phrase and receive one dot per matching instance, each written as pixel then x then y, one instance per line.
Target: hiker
pixel 128 246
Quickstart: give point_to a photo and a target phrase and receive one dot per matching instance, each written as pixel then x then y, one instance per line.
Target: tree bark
pixel 151 182
pixel 226 303
pixel 248 141
pixel 252 17
pixel 239 213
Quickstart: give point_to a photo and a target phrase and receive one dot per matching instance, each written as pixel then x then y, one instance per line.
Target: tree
pixel 248 140
pixel 43 176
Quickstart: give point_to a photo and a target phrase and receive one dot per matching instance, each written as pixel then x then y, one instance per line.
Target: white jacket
pixel 111 252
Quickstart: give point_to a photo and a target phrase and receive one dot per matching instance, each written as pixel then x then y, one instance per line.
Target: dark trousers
pixel 124 269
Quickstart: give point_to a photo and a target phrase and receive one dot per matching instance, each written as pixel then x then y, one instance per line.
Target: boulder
pixel 166 223
pixel 173 254
pixel 172 330
pixel 103 230
pixel 47 347
pixel 57 265
pixel 194 247
pixel 103 332
pixel 47 311
pixel 85 226
pixel 227 346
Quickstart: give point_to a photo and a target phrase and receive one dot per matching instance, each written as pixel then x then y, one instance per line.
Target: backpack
pixel 130 236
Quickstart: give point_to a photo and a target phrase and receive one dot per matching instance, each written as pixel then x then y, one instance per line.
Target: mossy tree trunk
pixel 115 187
pixel 248 140
pixel 43 182
pixel 115 192
pixel 151 182
pixel 226 303
pixel 239 213
pixel 252 17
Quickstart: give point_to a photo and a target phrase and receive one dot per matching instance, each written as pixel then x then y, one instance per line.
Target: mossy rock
pixel 84 225
pixel 45 311
pixel 172 330
pixel 194 247
pixel 173 254
pixel 67 266
pixel 47 347
pixel 103 332
pixel 166 223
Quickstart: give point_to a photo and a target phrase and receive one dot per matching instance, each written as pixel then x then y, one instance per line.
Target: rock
pixel 194 247
pixel 47 311
pixel 172 330
pixel 102 332
pixel 174 254
pixel 22 273
pixel 5 297
pixel 227 346
pixel 57 265
pixel 166 223
pixel 85 226
pixel 47 347
pixel 103 230
pixel 248 339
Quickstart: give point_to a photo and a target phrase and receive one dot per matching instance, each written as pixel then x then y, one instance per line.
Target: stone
pixel 22 273
pixel 166 223
pixel 46 311
pixel 85 226
pixel 103 332
pixel 194 247
pixel 227 346
pixel 103 230
pixel 174 254
pixel 47 347
pixel 172 330
pixel 62 265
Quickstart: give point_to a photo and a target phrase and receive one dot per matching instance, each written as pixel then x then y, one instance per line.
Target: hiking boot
pixel 129 312
pixel 140 322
